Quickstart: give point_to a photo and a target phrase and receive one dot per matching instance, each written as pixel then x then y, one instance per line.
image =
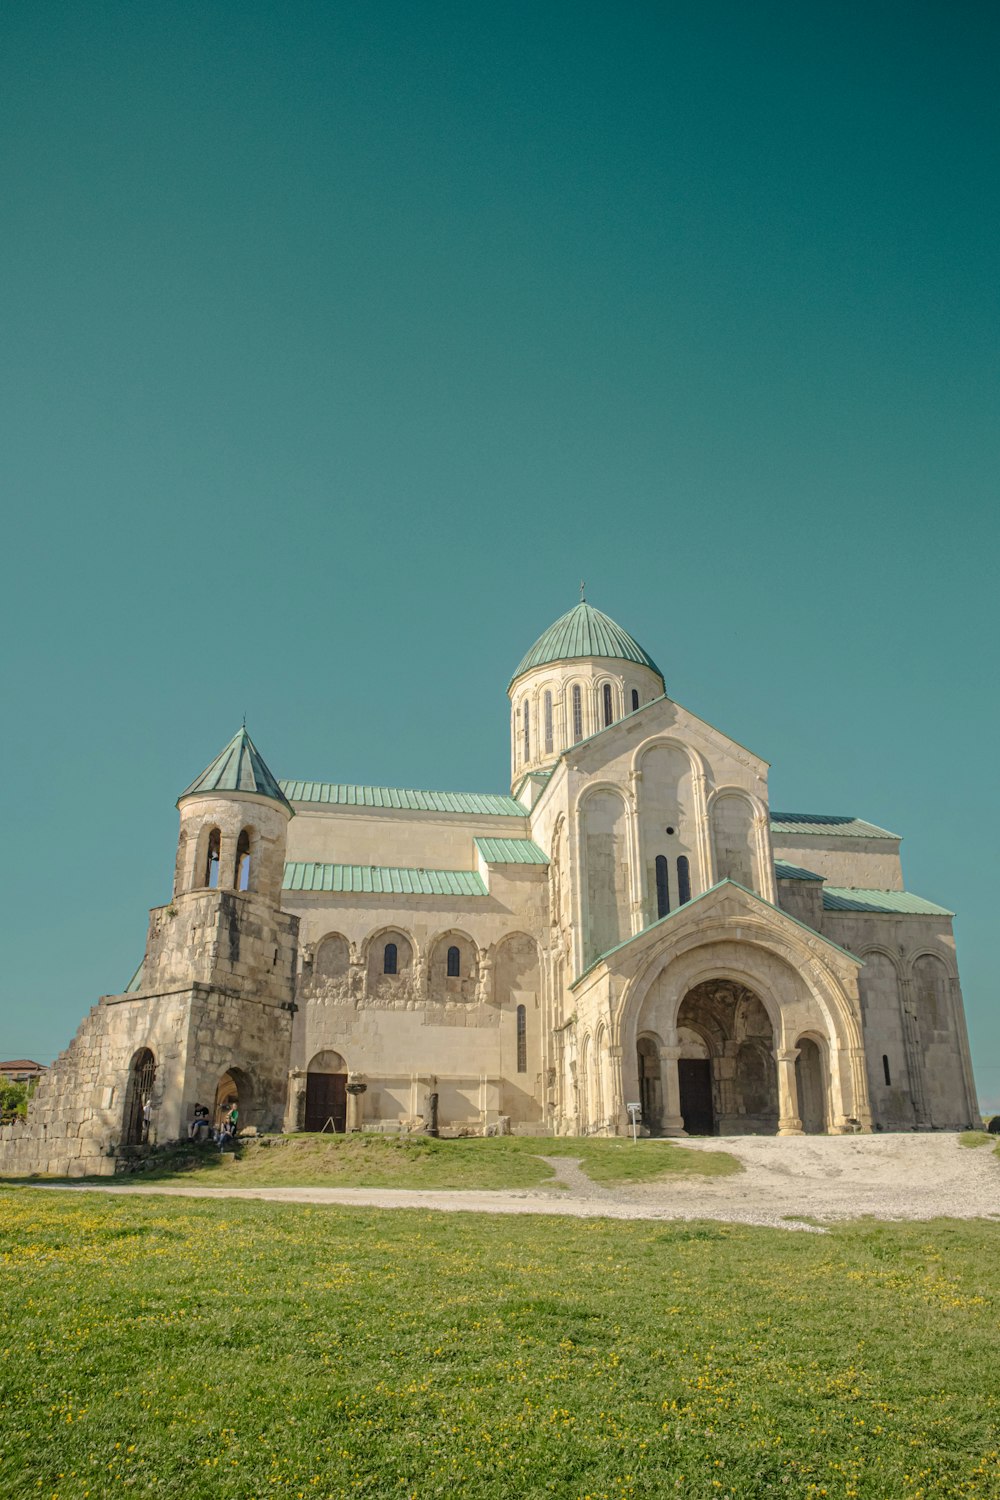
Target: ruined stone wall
pixel 75 1118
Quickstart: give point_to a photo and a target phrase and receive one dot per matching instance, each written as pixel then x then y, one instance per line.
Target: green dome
pixel 584 631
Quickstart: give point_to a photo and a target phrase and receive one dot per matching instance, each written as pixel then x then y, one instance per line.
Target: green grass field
pixel 200 1348
pixel 420 1162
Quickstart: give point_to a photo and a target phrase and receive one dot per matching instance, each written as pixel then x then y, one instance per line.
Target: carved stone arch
pixel 883 952
pixel 668 742
pixel 332 958
pixel 517 971
pixel 443 983
pixel 740 852
pixel 762 959
pixel 586 710
pixel 407 957
pixel 604 822
pixel 583 1082
pixel 942 955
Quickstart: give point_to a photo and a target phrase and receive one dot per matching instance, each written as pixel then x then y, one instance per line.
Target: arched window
pixel 608 710
pixel 454 963
pixel 242 881
pixel 577 714
pixel 522 1039
pixel 885 1070
pixel 683 879
pixel 548 723
pixel 662 887
pixel 525 709
pixel 390 959
pixel 212 859
pixel 635 699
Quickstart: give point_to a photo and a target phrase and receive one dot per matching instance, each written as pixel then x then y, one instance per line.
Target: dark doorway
pixel 695 1074
pixel 326 1099
pixel 135 1126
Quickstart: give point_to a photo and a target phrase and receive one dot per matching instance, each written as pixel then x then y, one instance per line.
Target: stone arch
pixel 931 990
pixel 665 793
pixel 326 1092
pixel 570 688
pixel 890 1037
pixel 138 1097
pixel 604 829
pixel 733 815
pixel 773 962
pixel 463 985
pixel 245 858
pixel 811 1072
pixel 333 956
pixel 235 1088
pixel 375 955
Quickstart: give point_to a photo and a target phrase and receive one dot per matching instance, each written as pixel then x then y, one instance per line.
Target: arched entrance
pixel 233 1093
pixel 135 1121
pixel 726 1071
pixel 809 1073
pixel 326 1093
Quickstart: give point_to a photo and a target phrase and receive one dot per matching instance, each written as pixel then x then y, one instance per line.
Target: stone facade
pixel 632 924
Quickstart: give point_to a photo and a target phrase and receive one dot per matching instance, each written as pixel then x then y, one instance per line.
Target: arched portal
pixel 809 1081
pixel 138 1093
pixel 326 1093
pixel 233 1107
pixel 726 1071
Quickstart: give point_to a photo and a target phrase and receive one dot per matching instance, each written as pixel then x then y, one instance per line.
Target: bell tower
pixel 224 941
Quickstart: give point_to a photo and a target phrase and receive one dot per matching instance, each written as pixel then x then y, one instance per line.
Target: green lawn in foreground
pixel 200 1348
pixel 420 1162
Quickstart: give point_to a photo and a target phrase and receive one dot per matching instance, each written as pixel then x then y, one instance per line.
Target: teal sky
pixel 339 341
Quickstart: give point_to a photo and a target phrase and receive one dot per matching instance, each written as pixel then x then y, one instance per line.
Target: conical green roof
pixel 240 767
pixel 585 631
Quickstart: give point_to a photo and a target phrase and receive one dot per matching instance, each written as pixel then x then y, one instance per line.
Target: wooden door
pixel 326 1099
pixel 695 1074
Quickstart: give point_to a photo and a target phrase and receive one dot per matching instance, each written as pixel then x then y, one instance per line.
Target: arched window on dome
pixel 526 711
pixel 390 959
pixel 662 886
pixel 577 713
pixel 212 859
pixel 547 706
pixel 683 879
pixel 454 963
pixel 242 881
pixel 608 705
pixel 635 699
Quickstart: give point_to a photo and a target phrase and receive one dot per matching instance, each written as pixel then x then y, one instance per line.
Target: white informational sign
pixel 634 1115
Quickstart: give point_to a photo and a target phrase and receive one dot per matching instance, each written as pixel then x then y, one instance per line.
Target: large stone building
pixel 633 923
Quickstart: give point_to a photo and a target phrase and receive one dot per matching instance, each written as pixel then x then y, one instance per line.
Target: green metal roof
pixel 894 903
pixel 827 823
pixel 784 871
pixel 341 795
pixel 511 852
pixel 585 631
pixel 240 767
pixel 381 880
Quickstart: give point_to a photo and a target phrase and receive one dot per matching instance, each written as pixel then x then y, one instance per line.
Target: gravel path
pixel 787 1181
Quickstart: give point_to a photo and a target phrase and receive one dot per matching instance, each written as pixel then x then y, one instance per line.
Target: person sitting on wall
pixel 200 1129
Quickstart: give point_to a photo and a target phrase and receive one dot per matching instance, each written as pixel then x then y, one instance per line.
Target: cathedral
pixel 632 932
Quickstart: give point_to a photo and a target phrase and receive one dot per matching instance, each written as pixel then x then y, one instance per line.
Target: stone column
pixel 673 1120
pixel 788 1094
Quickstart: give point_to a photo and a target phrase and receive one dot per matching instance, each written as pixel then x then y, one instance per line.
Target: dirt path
pixel 786 1181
